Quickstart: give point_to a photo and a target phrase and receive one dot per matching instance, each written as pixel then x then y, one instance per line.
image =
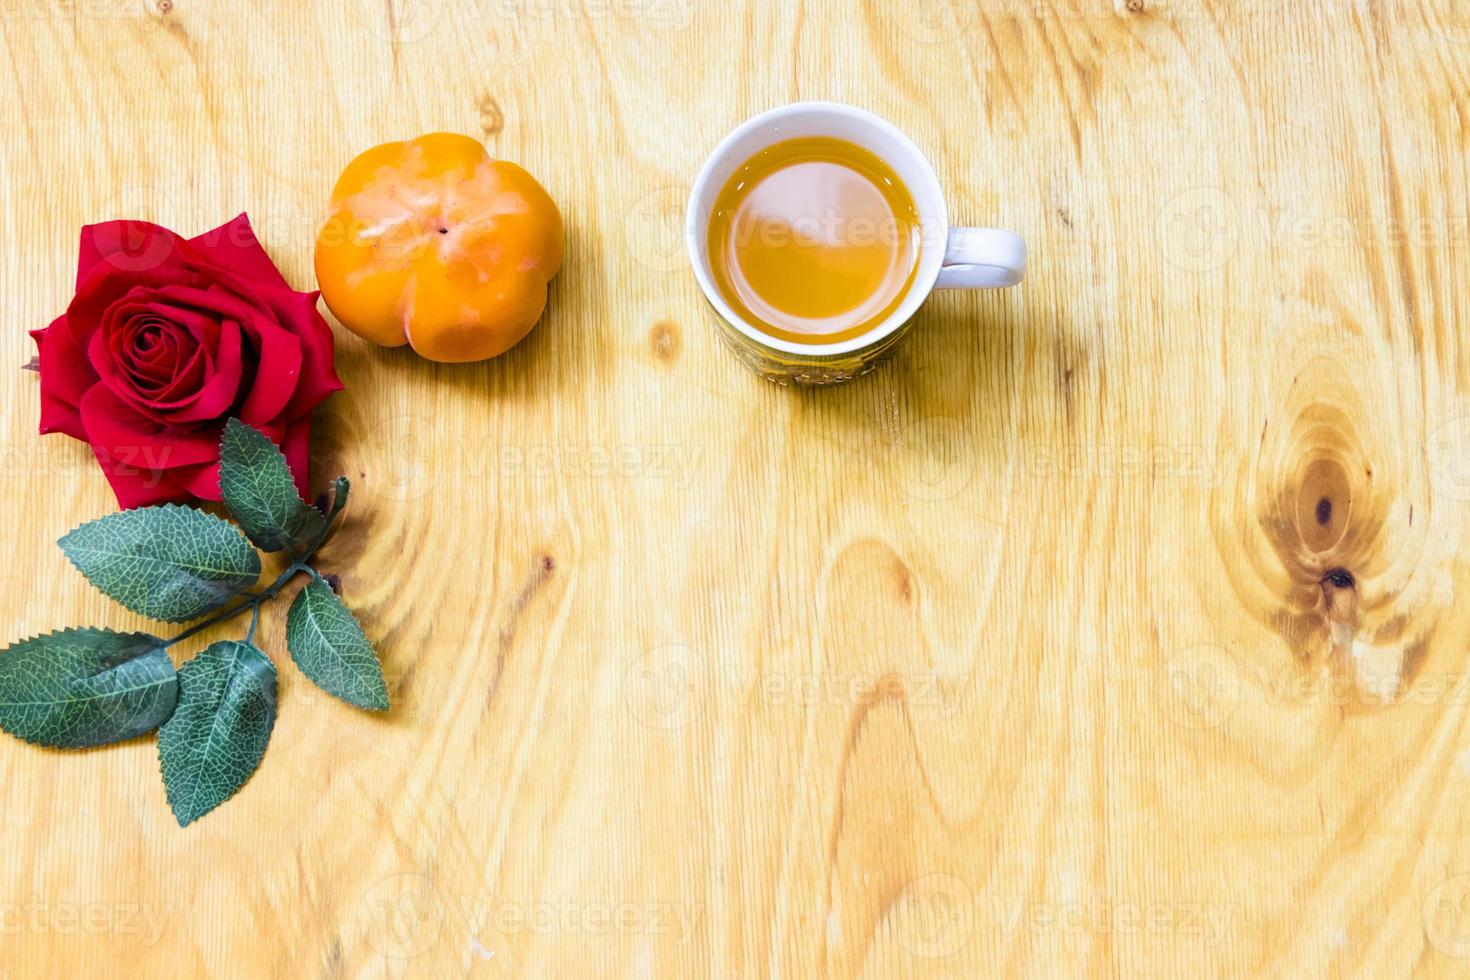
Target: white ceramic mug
pixel 949 258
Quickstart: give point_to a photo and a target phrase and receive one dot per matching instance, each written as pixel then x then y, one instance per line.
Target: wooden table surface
pixel 1110 629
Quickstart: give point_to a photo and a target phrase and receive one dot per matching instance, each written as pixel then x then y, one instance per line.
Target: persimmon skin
pixel 433 243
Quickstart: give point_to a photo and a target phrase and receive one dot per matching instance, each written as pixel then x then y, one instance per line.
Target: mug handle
pixel 982 258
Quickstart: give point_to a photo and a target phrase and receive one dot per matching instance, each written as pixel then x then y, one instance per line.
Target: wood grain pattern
pixel 1110 629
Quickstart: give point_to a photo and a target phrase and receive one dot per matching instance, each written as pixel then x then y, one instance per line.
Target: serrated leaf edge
pixel 68 630
pixel 168 791
pixel 300 597
pixel 224 433
pixel 168 507
pixel 74 630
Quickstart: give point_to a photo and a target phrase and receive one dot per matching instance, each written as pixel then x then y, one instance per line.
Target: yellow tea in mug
pixel 814 240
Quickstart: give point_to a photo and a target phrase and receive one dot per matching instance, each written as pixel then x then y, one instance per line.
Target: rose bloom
pixel 166 339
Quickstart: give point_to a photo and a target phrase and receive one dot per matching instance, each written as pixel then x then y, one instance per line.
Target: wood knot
pixel 1337 563
pixel 1134 6
pixel 492 120
pixel 1328 539
pixel 548 564
pixel 665 341
pixel 164 6
pixel 1324 514
pixel 1324 499
pixel 1339 611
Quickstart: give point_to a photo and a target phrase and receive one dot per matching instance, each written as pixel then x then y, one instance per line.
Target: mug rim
pixel 919 290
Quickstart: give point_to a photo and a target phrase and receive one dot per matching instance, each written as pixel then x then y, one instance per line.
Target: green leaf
pixel 171 563
pixel 85 687
pixel 258 489
pixel 219 731
pixel 330 648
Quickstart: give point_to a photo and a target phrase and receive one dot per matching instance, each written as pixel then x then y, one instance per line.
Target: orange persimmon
pixel 433 243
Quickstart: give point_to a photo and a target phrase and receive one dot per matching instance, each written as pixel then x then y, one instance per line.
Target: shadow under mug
pixel 949 258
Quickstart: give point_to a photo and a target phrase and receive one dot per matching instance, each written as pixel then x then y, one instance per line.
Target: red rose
pixel 167 339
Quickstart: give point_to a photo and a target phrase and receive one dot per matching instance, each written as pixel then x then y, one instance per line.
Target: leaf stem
pixel 339 500
pixel 253 601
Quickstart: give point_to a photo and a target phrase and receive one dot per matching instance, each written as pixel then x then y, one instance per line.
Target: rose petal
pixel 318 363
pixel 164 338
pixel 277 356
pixel 199 481
pixel 203 480
pixel 222 386
pixel 217 297
pixel 192 334
pixel 188 377
pixel 113 348
pixel 133 460
pixel 295 313
pixel 133 439
pixel 107 285
pixel 202 325
pixel 130 246
pixel 150 353
pixel 297 448
pixel 205 386
pixel 65 378
pixel 233 246
pixel 135 489
pixel 277 350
